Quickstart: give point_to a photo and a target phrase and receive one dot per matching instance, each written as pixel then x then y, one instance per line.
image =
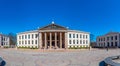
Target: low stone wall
pixel 109 61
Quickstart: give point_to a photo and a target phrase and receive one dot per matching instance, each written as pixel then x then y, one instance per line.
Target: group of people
pixel 48 47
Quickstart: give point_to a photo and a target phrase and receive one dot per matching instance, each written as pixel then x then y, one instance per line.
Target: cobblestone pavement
pixel 92 57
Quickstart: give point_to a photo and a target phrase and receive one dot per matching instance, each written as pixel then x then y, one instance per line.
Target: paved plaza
pixel 93 57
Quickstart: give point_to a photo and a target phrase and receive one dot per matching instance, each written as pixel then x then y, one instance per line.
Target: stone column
pixel 45 40
pixel 50 40
pixel 55 40
pixel 66 40
pixel 60 40
pixel 40 40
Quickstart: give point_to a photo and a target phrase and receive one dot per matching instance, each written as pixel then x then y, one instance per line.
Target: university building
pixel 53 36
pixel 111 39
pixel 4 41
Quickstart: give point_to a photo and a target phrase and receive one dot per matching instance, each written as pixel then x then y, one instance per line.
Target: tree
pixel 12 37
pixel 92 42
pixel 92 37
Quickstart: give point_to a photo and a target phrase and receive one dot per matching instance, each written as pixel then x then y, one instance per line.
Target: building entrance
pixel 53 40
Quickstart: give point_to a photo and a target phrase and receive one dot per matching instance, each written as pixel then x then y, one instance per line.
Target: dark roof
pixel 53 27
pixel 110 33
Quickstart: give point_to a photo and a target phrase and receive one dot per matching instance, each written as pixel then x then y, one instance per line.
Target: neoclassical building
pixel 4 41
pixel 53 36
pixel 111 39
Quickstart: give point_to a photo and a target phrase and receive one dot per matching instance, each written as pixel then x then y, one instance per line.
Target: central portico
pixel 52 37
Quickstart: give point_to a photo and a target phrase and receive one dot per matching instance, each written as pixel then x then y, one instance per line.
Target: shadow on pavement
pixel 3 63
pixel 102 63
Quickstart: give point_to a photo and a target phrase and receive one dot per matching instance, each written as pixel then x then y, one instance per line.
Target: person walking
pixel 107 48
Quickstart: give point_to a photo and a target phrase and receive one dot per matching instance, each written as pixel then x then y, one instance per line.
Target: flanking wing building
pixel 4 41
pixel 111 39
pixel 53 36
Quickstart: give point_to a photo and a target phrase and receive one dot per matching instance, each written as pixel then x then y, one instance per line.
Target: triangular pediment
pixel 53 27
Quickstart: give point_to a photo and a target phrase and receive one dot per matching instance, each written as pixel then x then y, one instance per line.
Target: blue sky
pixel 95 16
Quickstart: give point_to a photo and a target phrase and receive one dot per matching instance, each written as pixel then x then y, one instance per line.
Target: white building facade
pixel 53 36
pixel 78 39
pixel 111 39
pixel 4 41
pixel 28 39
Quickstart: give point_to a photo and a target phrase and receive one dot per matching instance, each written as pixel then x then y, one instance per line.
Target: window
pixel 115 43
pixel 99 44
pixel 111 37
pixel 77 41
pixel 22 36
pixel 104 39
pixel 19 42
pixel 69 41
pixel 80 36
pixel 83 41
pixel 19 37
pixel 32 42
pixel 86 42
pixel 4 39
pixel 73 41
pixel 22 42
pixel 108 38
pixel 29 42
pixel 28 36
pixel 77 35
pixel 86 36
pixel 25 36
pixel 108 44
pixel 99 39
pixel 32 36
pixel 36 35
pixel 111 43
pixel 35 41
pixel 69 35
pixel 25 42
pixel 2 44
pixel 80 41
pixel 83 36
pixel 115 37
pixel 104 44
pixel 73 35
